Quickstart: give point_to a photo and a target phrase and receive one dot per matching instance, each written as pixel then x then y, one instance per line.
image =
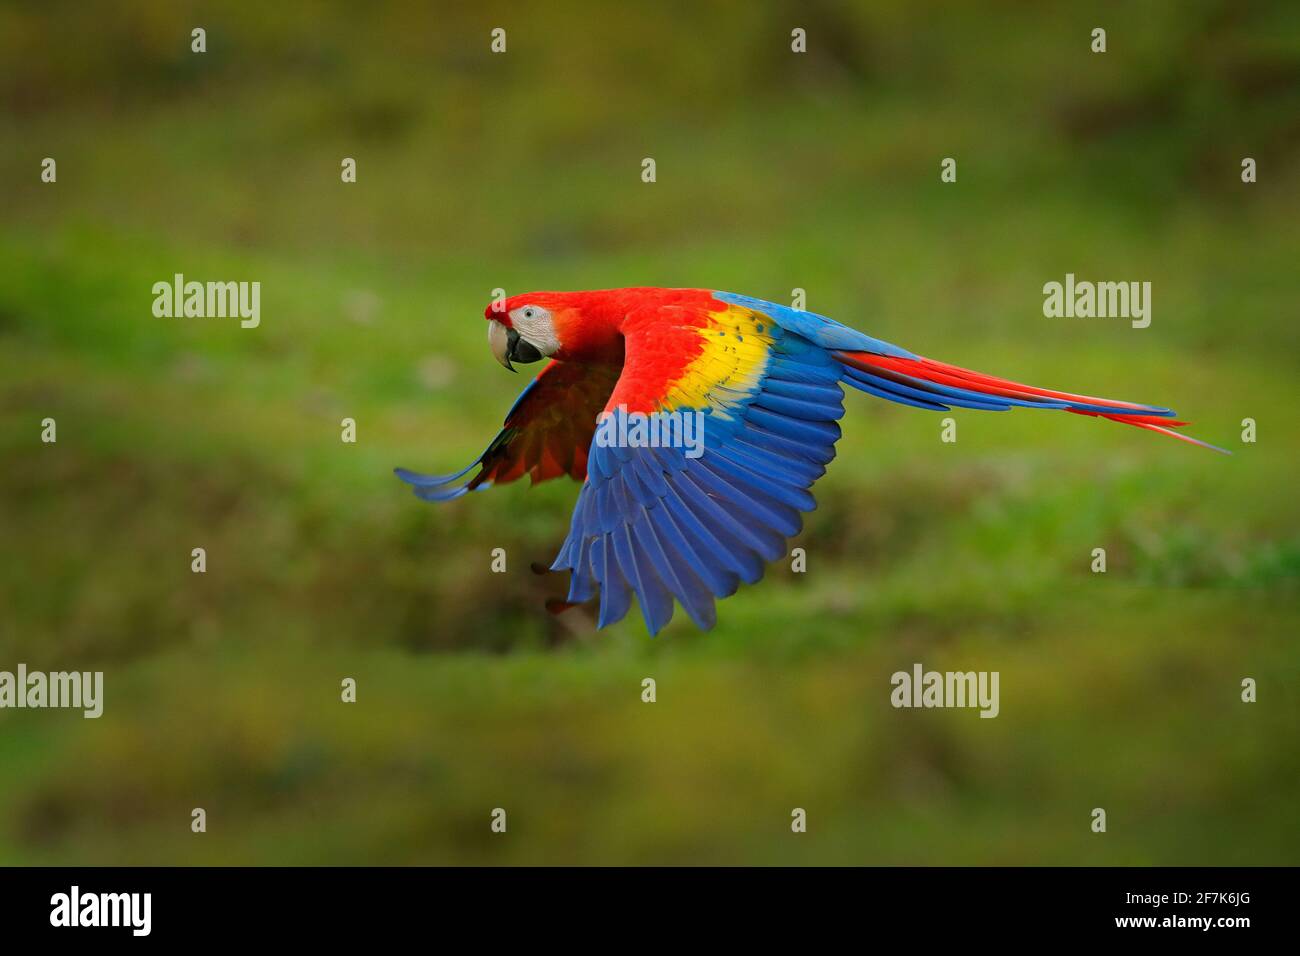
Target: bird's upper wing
pixel 662 524
pixel 893 373
pixel 546 433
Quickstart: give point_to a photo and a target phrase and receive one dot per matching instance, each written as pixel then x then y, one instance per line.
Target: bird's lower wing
pixel 546 434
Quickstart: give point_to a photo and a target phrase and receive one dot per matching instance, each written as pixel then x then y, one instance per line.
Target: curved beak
pixel 499 342
pixel 508 345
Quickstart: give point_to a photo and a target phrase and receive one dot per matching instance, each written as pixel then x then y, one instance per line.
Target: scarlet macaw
pixel 656 522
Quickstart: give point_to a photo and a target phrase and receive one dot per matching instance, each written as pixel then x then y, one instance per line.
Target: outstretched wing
pixel 887 371
pixel 546 433
pixel 660 522
pixel 663 525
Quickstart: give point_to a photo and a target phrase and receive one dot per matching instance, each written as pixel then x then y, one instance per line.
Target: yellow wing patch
pixel 737 342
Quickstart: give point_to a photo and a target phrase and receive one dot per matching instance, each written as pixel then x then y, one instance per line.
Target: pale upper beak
pixel 499 342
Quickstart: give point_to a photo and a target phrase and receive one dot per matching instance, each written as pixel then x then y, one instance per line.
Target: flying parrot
pixel 662 522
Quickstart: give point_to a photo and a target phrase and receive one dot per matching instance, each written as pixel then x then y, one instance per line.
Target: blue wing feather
pixel 818 329
pixel 655 523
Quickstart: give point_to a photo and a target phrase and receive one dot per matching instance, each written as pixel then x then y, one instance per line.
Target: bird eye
pixel 529 313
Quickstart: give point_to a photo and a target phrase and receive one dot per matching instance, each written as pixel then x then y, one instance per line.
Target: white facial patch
pixel 535 325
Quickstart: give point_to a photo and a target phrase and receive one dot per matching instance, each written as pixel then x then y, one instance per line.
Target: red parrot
pixel 691 518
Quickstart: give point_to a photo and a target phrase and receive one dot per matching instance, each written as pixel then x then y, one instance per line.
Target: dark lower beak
pixel 519 349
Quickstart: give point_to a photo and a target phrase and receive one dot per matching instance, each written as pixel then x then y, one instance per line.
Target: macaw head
pixel 562 325
pixel 521 329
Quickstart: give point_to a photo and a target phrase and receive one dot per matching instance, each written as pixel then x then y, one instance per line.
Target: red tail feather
pixel 918 372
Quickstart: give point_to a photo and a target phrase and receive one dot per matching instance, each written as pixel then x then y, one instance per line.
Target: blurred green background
pixel 522 171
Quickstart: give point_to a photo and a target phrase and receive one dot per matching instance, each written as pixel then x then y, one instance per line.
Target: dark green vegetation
pixel 522 171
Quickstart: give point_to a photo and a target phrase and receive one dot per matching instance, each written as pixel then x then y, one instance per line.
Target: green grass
pixel 774 172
